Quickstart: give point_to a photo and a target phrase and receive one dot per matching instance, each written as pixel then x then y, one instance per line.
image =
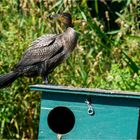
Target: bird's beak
pixel 58 17
pixel 55 16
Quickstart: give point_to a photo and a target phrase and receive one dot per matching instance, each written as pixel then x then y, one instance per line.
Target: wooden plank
pixel 114 118
pixel 85 91
pixel 138 129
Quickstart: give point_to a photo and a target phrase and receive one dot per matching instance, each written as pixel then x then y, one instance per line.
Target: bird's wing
pixel 42 41
pixel 41 49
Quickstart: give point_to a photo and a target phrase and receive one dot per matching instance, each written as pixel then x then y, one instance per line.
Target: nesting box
pixel 82 114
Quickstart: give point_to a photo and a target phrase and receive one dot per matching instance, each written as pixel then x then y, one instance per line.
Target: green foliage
pixel 108 60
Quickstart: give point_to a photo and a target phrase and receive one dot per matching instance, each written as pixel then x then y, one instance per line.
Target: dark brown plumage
pixel 45 53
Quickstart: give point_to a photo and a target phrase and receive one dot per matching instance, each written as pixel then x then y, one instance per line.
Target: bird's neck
pixel 70 39
pixel 68 24
pixel 69 30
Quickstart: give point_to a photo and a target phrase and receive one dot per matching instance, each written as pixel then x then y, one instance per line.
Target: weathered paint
pixel 116 113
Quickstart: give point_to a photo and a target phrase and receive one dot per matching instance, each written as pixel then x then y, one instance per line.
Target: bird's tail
pixel 7 79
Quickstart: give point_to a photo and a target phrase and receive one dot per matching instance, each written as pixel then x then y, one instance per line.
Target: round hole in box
pixel 61 120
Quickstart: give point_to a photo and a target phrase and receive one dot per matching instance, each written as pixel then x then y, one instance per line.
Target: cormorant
pixel 45 53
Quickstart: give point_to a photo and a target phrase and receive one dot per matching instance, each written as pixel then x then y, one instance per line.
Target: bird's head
pixel 65 18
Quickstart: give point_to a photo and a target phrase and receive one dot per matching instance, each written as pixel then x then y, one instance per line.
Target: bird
pixel 45 53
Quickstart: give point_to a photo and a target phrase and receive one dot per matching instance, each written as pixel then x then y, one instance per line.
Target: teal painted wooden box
pixel 83 114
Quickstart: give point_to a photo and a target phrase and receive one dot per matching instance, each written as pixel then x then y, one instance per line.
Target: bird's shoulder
pixel 46 44
pixel 43 41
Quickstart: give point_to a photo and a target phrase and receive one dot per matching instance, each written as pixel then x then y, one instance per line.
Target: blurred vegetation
pixel 105 57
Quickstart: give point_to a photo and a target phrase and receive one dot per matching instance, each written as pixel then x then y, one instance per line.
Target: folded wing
pixel 42 49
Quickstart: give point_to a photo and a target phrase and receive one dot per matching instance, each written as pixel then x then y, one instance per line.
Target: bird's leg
pixel 46 80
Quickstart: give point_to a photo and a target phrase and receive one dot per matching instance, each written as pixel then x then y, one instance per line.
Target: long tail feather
pixel 7 79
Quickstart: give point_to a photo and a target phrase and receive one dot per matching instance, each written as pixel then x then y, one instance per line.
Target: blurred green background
pixel 107 55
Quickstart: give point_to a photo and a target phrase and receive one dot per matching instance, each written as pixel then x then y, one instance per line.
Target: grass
pixel 102 59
